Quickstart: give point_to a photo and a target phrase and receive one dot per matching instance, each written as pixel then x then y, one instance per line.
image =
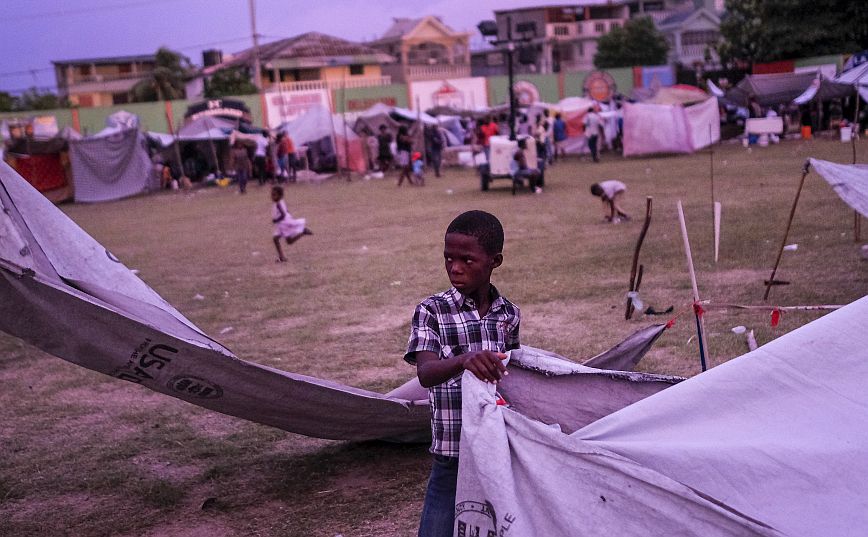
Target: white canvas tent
pixel 661 128
pixel 771 443
pixel 330 142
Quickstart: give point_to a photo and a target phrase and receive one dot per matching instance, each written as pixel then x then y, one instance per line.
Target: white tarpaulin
pixel 703 120
pixel 111 166
pixel 850 182
pixel 655 128
pixel 63 292
pixel 774 442
pixel 661 128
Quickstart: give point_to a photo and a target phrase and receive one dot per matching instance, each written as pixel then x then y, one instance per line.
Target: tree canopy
pixel 637 43
pixel 167 80
pixel 32 99
pixel 770 30
pixel 228 82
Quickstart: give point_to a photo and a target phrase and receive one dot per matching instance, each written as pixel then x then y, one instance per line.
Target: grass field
pixel 83 454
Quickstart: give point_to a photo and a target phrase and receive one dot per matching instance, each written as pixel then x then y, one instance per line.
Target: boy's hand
pixel 486 365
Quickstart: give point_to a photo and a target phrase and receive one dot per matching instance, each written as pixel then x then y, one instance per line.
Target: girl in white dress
pixel 285 226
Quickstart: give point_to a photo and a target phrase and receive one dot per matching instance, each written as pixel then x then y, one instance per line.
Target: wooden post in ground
pixel 771 280
pixel 634 284
pixel 700 331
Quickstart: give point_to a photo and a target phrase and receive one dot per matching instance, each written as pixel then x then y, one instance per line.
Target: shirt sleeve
pixel 424 334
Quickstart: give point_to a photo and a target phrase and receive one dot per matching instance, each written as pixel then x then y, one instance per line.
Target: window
pixel 357 69
pixel 494 59
pixel 125 68
pixel 120 98
pixel 581 48
pixel 600 27
pixel 614 25
pixel 562 30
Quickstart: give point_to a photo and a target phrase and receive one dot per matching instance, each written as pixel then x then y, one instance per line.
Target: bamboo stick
pixel 703 345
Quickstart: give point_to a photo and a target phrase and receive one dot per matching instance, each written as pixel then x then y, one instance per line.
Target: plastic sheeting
pixel 66 294
pixel 328 136
pixel 849 181
pixel 658 128
pixel 771 443
pixel 111 167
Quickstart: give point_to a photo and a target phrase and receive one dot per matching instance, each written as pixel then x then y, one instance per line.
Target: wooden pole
pixel 633 285
pixel 703 346
pixel 769 284
pixel 344 120
pixel 857 218
pixel 717 209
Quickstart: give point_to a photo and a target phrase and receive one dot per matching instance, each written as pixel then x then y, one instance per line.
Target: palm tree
pixel 166 81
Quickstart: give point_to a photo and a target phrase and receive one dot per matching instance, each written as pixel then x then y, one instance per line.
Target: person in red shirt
pixel 487 130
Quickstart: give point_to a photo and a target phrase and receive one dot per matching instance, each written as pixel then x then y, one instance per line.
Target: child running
pixel 285 226
pixel 468 327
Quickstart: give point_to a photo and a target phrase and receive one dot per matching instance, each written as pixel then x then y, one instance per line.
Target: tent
pixel 659 128
pixel 330 143
pixel 66 294
pixel 683 94
pixel 44 163
pixel 771 443
pixel 111 166
pixel 783 88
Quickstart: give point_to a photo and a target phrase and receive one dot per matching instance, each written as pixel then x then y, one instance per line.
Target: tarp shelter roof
pixel 678 94
pixel 783 88
pixel 771 443
pixel 117 123
pixel 317 123
pixel 849 181
pixel 409 115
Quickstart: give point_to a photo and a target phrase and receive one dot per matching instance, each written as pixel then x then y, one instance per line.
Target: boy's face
pixel 468 265
pixel 275 196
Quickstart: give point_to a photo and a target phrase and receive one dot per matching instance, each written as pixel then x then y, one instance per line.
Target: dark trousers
pixel 438 513
pixel 592 145
pixel 436 161
pixel 242 175
pixel 259 168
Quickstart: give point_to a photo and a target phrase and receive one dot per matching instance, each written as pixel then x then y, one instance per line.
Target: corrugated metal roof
pixel 114 59
pixel 312 46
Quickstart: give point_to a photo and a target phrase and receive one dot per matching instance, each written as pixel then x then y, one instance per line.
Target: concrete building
pixel 100 81
pixel 424 49
pixel 693 35
pixel 309 61
pixel 562 37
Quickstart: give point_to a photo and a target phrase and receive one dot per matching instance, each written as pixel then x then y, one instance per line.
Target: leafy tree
pixel 637 43
pixel 227 82
pixel 166 81
pixel 770 30
pixel 33 99
pixel 7 102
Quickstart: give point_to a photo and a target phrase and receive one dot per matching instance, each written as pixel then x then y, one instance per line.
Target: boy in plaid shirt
pixel 468 327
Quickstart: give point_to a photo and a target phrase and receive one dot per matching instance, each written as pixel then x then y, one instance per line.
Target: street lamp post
pixel 528 30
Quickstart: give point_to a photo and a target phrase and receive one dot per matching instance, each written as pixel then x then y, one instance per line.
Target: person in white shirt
pixel 592 132
pixel 259 157
pixel 611 192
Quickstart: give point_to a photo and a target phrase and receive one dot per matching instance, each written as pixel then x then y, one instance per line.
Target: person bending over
pixel 611 193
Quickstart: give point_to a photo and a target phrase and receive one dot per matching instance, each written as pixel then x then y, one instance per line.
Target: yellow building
pixel 310 61
pixel 100 81
pixel 424 48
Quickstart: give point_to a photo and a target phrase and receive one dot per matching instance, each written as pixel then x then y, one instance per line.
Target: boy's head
pixel 276 193
pixel 596 189
pixel 473 245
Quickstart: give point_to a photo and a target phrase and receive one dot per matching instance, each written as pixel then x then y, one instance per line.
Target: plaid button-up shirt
pixel 448 325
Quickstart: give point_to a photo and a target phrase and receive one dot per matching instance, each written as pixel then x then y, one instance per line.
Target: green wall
pixel 837 59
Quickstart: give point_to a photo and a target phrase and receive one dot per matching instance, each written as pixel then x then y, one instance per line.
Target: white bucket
pixel 846 134
pixel 763 140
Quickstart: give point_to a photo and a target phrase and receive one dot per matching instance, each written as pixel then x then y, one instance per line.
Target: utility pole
pixel 257 69
pixel 510 48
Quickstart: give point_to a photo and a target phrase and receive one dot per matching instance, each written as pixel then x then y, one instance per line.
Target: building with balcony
pixel 560 38
pixel 424 49
pixel 307 61
pixel 100 81
pixel 693 36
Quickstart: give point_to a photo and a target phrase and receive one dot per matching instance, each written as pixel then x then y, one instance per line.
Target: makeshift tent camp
pixel 112 164
pixel 66 294
pixel 783 88
pixel 658 128
pixel 771 443
pixel 329 143
pixel 203 144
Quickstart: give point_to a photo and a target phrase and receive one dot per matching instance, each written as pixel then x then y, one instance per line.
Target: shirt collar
pixel 463 302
